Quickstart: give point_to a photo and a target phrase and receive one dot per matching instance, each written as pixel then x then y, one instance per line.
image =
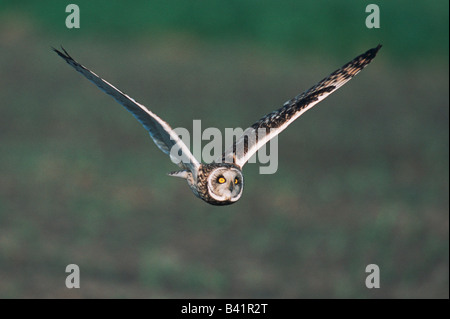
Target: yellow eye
pixel 236 181
pixel 221 180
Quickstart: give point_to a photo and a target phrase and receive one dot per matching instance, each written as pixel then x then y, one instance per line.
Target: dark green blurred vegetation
pixel 409 29
pixel 363 178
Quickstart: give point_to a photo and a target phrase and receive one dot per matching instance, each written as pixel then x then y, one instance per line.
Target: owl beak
pixel 231 187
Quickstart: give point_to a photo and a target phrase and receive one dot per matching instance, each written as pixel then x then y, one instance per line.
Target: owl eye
pixel 221 180
pixel 236 180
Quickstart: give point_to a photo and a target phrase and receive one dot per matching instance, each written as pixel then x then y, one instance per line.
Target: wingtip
pixel 370 54
pixel 376 49
pixel 62 54
pixel 62 48
pixel 55 49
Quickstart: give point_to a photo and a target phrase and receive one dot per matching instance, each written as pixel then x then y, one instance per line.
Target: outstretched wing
pixel 273 123
pixel 162 134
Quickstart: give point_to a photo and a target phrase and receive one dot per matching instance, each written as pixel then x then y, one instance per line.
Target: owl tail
pixel 180 174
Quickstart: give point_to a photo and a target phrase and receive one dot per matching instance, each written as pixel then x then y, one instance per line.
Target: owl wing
pixel 274 123
pixel 162 134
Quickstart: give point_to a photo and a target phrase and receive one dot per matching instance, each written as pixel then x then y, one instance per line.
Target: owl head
pixel 225 184
pixel 216 184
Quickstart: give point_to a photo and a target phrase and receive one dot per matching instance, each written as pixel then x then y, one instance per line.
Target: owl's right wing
pixel 274 123
pixel 162 134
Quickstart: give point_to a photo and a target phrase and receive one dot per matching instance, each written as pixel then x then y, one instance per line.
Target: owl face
pixel 225 184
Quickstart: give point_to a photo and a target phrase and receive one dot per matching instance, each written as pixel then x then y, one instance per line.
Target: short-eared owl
pixel 222 182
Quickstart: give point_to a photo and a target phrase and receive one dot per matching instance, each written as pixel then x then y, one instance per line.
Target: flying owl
pixel 222 182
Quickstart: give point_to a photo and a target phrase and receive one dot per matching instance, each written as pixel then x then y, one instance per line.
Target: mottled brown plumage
pixel 222 182
pixel 275 122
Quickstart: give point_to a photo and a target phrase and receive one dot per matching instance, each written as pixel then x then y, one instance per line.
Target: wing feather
pixel 275 122
pixel 162 134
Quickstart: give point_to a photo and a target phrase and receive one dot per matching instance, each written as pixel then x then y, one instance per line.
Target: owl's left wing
pixel 274 123
pixel 162 134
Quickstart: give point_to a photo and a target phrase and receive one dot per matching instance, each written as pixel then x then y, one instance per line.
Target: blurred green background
pixel 363 178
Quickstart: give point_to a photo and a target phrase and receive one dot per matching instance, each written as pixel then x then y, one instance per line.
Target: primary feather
pixel 275 122
pixel 162 134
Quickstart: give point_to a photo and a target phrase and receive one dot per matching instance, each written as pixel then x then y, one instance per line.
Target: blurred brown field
pixel 363 177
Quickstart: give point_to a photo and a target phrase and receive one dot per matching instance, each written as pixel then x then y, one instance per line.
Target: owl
pixel 222 182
